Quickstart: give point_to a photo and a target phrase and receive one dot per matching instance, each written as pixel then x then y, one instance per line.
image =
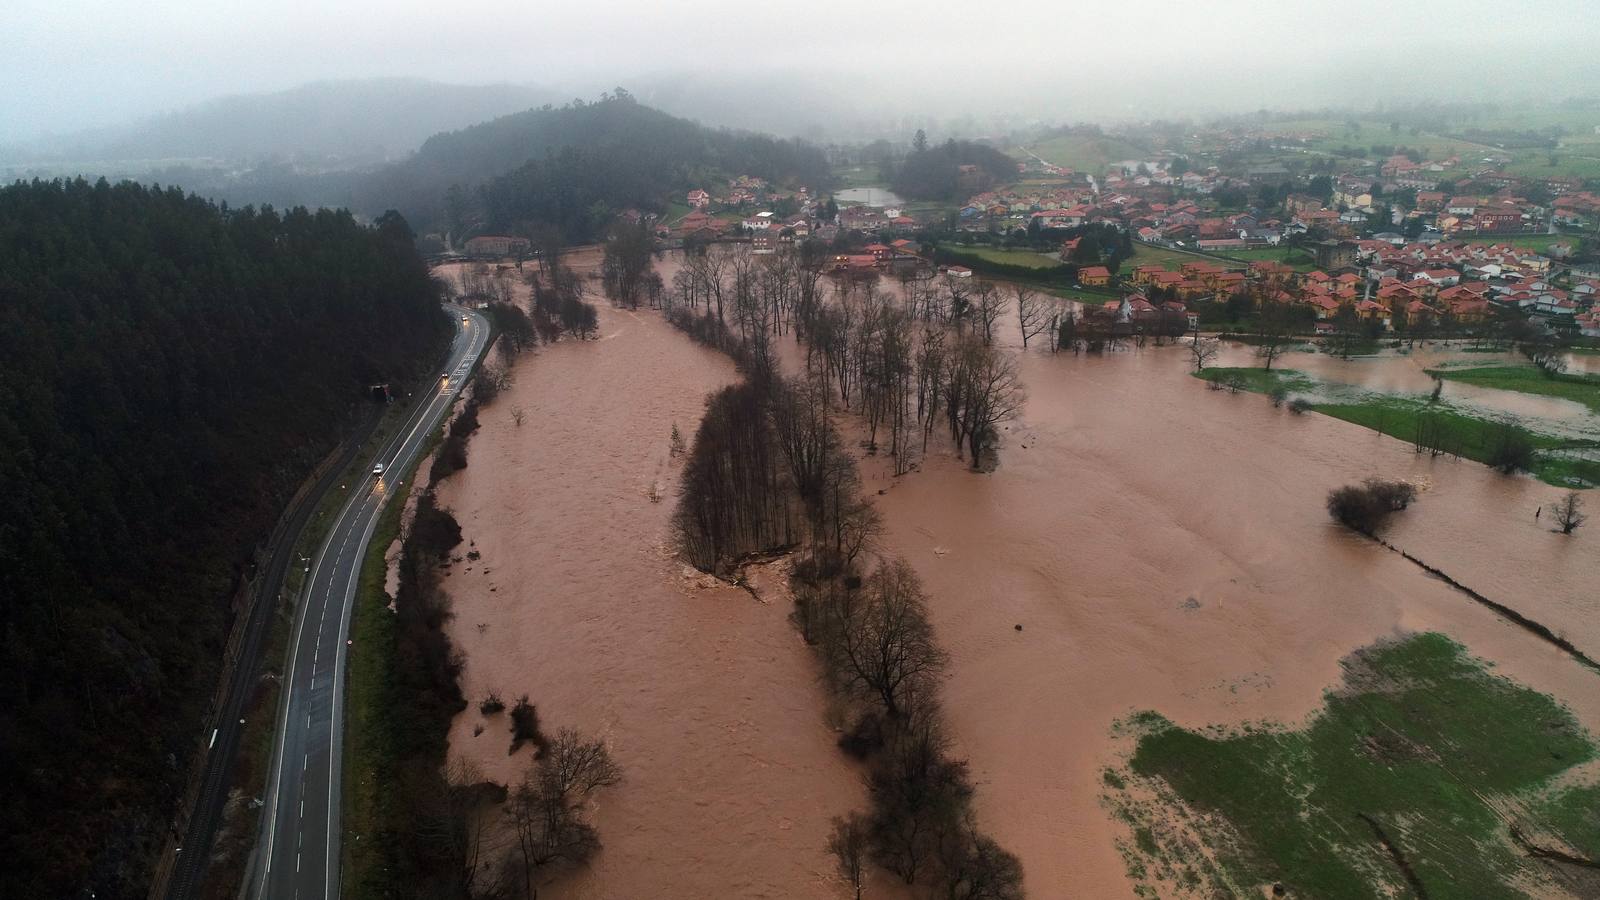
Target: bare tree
pixel 1032 313
pixel 887 648
pixel 546 809
pixel 517 416
pixel 984 391
pixel 974 867
pixel 1569 512
pixel 988 304
pixel 450 819
pixel 1203 351
pixel 848 844
pixel 1273 337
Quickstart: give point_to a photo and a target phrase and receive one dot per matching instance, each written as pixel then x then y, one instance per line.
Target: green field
pixel 1537 164
pixel 1085 153
pixel 1259 381
pixel 1583 389
pixel 1577 153
pixel 1538 243
pixel 1145 255
pixel 1300 260
pixel 370 755
pixel 866 175
pixel 1471 436
pixel 1405 784
pixel 1012 257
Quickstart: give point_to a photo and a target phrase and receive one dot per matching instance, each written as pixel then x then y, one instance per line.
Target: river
pixel 1164 547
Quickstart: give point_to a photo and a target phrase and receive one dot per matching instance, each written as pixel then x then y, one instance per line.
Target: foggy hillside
pixel 328 123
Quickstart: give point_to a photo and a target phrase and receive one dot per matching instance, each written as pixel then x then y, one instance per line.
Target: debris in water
pixel 1190 603
pixel 1019 626
pixel 940 551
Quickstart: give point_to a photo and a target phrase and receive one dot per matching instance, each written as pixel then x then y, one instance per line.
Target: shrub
pixel 525 727
pixel 1367 506
pixel 1278 395
pixel 491 704
pixel 864 738
pixel 1299 406
pixel 1396 495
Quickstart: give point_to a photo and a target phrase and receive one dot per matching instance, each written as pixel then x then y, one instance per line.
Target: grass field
pixel 858 176
pixel 1145 254
pixel 1012 257
pixel 1300 260
pixel 1538 243
pixel 1576 154
pixel 1529 380
pixel 1259 381
pixel 1471 436
pixel 1085 153
pixel 369 747
pixel 676 211
pixel 1402 785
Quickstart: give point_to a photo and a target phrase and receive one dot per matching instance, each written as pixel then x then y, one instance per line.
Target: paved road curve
pixel 298 855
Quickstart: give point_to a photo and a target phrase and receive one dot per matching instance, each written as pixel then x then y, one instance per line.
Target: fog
pixel 824 69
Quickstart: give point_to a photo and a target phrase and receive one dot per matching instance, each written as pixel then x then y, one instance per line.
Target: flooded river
pixel 707 697
pixel 1163 546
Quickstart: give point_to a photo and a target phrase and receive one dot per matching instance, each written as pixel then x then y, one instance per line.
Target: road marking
pixel 357 501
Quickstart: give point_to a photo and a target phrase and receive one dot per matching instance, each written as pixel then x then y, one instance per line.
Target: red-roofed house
pixel 1094 276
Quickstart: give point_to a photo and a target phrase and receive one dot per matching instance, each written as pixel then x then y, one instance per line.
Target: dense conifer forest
pixel 170 371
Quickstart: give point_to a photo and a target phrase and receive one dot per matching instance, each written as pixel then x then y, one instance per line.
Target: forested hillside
pixel 576 166
pixel 169 372
pixel 936 172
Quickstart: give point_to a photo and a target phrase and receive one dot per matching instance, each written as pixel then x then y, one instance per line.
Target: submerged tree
pixel 546 808
pixel 1569 512
pixel 847 842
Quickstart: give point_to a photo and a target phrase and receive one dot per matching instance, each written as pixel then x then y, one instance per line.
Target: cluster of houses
pixel 1381 282
pixel 766 229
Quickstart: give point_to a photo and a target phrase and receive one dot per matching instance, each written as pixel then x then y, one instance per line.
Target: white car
pixel 377 469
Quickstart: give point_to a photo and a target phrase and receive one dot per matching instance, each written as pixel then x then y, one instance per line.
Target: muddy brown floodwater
pixel 1163 546
pixel 708 698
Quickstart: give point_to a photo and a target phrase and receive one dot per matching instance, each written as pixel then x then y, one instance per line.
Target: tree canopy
pixel 937 172
pixel 578 165
pixel 170 371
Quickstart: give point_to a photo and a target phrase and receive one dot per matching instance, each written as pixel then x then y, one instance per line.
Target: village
pixel 1404 243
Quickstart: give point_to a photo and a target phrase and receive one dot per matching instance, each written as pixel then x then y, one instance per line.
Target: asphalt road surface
pixel 298 853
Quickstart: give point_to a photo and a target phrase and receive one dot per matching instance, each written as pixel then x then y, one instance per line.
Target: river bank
pixel 1163 546
pixel 707 697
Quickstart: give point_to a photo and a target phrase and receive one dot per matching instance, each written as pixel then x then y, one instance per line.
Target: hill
pixel 169 373
pixel 328 124
pixel 953 170
pixel 576 165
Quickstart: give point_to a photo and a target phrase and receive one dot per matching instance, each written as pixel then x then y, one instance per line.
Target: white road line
pixel 357 500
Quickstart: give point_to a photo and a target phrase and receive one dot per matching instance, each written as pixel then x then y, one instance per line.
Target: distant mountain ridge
pixel 332 123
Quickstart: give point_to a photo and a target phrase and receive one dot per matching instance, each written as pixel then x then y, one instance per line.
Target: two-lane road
pixel 298 856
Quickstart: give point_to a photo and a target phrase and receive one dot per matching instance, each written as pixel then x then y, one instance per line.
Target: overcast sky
pixel 70 64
